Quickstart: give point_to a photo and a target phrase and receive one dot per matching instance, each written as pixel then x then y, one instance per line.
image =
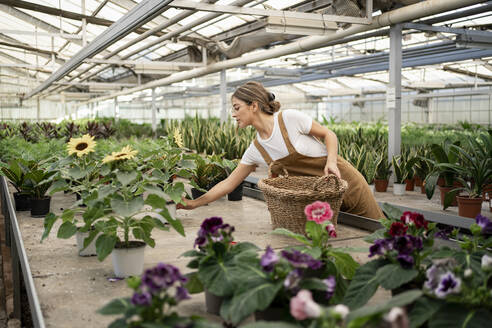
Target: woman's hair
pixel 255 91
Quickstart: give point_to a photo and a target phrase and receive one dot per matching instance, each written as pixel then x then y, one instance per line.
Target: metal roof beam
pixel 139 15
pixel 37 22
pixel 468 73
pixel 444 29
pixel 18 44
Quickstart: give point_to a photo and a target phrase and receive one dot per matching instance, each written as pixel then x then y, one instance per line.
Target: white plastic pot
pixel 399 189
pixel 128 261
pixel 372 187
pixel 90 250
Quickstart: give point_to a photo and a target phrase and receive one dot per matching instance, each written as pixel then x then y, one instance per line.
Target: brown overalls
pixel 358 199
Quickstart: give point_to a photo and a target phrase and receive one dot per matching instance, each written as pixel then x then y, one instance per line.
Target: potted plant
pixel 40 181
pixel 475 166
pixel 237 193
pixel 266 285
pixel 422 168
pixel 400 174
pixel 215 262
pixel 443 155
pixel 16 171
pixel 155 294
pixel 370 167
pixel 402 248
pixel 383 172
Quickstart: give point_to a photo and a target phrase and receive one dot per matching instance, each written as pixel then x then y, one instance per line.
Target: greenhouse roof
pixel 38 38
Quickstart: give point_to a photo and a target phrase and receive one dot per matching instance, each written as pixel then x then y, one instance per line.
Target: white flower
pixel 397 318
pixel 486 262
pixel 468 273
pixel 342 310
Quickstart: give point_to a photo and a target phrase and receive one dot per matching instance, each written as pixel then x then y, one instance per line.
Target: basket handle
pixel 270 173
pixel 327 178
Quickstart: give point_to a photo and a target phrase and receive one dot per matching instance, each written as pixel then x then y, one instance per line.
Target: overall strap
pixel 263 152
pixel 283 129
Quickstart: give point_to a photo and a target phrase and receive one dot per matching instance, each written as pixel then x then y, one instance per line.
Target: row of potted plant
pixel 317 285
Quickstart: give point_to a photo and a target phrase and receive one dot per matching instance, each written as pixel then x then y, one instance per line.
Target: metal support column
pixel 116 109
pixel 154 114
pixel 393 92
pixel 38 110
pixel 223 96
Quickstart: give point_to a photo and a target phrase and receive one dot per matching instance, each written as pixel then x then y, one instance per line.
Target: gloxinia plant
pixel 155 294
pixel 400 250
pixel 214 256
pixel 270 281
pixel 319 230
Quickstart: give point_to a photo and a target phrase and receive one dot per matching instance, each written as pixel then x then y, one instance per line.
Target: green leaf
pixel 315 232
pixel 127 208
pixel 378 234
pixel 76 173
pixel 423 309
pixel 364 284
pixel 126 177
pixel 217 277
pixel 345 264
pixel 392 276
pixel 175 223
pixel 105 245
pixel 288 233
pixel 194 285
pixel 49 220
pixel 253 297
pixel 66 230
pixel 175 191
pixel 116 306
pixel 271 324
pixel 58 185
pixel 155 201
pixel 455 315
pixel 397 301
pixel 391 211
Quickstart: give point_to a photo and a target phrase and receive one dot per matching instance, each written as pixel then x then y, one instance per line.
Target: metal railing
pixel 20 264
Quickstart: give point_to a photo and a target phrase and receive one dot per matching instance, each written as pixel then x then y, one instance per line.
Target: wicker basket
pixel 287 196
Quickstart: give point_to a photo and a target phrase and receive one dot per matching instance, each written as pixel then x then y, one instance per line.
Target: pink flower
pixel 318 212
pixel 302 306
pixel 330 228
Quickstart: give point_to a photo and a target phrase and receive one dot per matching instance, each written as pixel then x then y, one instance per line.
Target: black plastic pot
pixel 212 303
pixel 40 207
pixel 22 202
pixel 272 314
pixel 236 194
pixel 195 193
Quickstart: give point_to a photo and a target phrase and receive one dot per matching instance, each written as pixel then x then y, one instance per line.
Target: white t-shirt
pixel 298 126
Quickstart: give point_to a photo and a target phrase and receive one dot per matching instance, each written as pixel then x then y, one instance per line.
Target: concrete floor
pixel 72 288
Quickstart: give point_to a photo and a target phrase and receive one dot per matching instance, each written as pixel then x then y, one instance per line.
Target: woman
pixel 290 140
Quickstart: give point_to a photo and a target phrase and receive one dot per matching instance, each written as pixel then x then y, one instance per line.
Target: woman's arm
pixel 331 142
pixel 224 187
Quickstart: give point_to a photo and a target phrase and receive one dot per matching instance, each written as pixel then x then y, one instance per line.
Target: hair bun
pixel 271 96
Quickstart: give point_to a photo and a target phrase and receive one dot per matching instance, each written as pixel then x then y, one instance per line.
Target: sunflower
pixel 125 153
pixel 81 146
pixel 178 139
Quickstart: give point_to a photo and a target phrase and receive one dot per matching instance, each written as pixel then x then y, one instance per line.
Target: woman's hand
pixel 189 204
pixel 331 167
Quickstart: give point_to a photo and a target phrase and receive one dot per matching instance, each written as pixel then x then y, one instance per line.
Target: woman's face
pixel 242 112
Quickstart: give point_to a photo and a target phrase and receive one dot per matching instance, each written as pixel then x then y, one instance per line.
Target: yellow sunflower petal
pixel 81 146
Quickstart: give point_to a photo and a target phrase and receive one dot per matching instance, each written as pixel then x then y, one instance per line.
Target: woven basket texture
pixel 287 196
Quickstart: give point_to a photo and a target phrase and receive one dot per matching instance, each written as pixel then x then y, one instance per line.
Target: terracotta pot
pixel 444 191
pixel 469 207
pixel 418 181
pixel 410 184
pixel 487 192
pixel 440 182
pixel 381 185
pixel 422 188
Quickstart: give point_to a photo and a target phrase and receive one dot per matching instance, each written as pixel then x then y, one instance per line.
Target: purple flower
pixel 292 280
pixel 215 229
pixel 331 284
pixel 181 294
pixel 200 242
pixel 406 261
pixel 449 284
pixel 269 259
pixel 301 260
pixel 143 299
pixel 407 244
pixel 444 233
pixel 211 225
pixel 380 247
pixel 162 276
pixel 485 224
